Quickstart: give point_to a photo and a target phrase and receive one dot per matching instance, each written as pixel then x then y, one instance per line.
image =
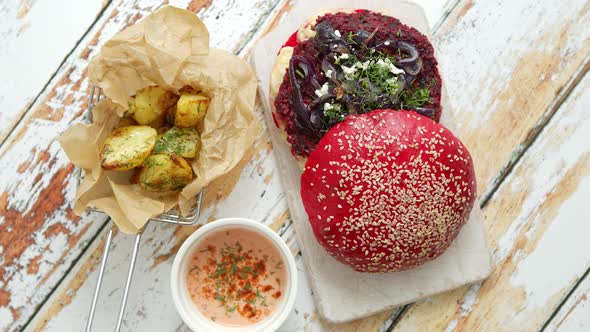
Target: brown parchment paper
pixel 169 48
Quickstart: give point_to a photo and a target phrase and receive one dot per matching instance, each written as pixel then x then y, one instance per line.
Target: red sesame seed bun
pixel 388 190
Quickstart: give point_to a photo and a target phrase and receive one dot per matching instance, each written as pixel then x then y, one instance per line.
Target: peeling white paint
pixel 573 316
pixel 33 46
pixel 490 46
pixel 568 233
pixel 452 325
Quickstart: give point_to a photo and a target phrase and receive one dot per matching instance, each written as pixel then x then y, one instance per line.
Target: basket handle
pixel 101 271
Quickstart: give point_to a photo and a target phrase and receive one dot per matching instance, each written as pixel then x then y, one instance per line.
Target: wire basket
pixel 171 217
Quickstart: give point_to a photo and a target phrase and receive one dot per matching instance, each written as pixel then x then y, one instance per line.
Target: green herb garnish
pixel 350 38
pixel 414 98
pixel 335 113
pixel 236 277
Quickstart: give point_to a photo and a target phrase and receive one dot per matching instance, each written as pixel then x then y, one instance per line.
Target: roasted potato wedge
pixel 185 142
pixel 190 109
pixel 162 172
pixel 127 147
pixel 130 108
pixel 151 104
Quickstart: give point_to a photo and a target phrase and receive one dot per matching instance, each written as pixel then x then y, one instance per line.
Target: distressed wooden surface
pixel 36 36
pixel 538 226
pixel 502 54
pixel 573 316
pixel 505 63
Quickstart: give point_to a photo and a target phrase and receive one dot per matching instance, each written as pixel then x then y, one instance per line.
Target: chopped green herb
pixel 373 82
pixel 351 38
pixel 335 114
pixel 414 98
pixel 184 142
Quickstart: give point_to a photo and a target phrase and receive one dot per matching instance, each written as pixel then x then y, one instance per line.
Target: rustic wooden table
pixel 515 70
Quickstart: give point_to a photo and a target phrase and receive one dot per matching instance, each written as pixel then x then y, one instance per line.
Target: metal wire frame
pixel 171 217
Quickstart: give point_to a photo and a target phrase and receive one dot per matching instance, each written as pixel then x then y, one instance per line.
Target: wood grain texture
pixel 538 225
pixel 503 70
pixel 575 313
pixel 36 36
pixel 554 43
pixel 39 235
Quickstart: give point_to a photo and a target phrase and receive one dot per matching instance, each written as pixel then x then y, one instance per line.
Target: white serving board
pixel 342 294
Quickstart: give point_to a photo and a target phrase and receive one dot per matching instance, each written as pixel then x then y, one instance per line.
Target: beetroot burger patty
pixel 354 63
pixel 388 190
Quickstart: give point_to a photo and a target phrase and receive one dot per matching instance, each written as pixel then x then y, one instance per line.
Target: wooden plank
pixel 493 56
pixel 40 238
pixel 35 40
pixel 538 225
pixel 575 313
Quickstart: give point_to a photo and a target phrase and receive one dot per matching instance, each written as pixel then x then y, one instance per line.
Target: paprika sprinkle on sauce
pixel 236 276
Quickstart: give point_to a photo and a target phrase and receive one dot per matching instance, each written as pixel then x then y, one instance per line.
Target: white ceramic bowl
pixel 189 312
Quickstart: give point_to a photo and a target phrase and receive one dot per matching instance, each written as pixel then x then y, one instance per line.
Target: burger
pixel 387 190
pixel 357 95
pixel 349 63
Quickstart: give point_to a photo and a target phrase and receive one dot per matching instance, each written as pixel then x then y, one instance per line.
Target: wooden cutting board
pixel 342 294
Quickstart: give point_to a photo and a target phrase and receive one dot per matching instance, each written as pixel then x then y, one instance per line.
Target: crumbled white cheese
pixel 387 43
pixel 348 70
pixel 328 106
pixel 391 81
pixel 345 56
pixel 337 33
pixel 394 70
pixel 322 91
pixel 387 64
pixel 363 65
pixel 329 73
